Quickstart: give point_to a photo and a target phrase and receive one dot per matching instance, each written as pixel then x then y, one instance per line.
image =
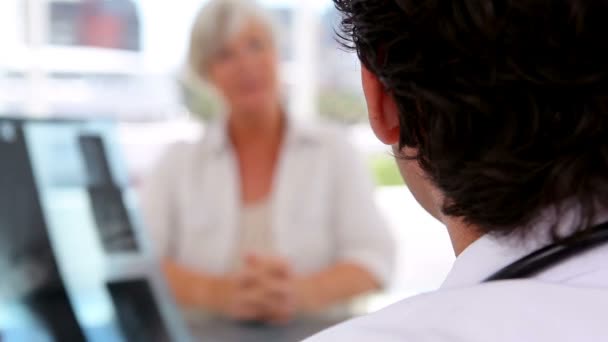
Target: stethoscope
pixel 552 255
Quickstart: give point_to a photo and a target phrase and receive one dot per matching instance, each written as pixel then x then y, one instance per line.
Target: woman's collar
pixel 298 132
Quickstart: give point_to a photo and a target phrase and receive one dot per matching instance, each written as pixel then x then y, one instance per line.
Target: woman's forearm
pixel 334 285
pixel 193 289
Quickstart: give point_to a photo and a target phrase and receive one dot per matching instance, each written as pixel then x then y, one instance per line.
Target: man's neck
pixel 461 234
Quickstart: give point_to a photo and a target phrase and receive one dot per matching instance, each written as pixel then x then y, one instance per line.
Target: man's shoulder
pixel 502 311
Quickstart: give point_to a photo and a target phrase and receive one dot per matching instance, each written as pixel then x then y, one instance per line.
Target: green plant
pixel 342 106
pixel 200 99
pixel 385 170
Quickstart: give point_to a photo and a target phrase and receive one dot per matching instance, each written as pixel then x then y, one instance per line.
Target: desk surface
pixel 220 330
pixel 212 330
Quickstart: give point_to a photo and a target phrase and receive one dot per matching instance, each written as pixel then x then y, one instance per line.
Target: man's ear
pixel 381 107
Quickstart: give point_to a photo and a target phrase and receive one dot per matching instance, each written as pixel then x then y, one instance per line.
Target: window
pixel 79 58
pixel 97 23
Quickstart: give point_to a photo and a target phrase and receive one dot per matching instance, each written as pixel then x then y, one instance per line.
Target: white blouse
pixel 255 233
pixel 322 204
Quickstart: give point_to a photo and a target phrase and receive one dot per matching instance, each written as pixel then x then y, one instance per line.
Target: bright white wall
pixel 165 31
pixel 10 24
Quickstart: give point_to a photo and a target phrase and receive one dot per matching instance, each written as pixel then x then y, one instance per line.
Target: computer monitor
pixel 78 265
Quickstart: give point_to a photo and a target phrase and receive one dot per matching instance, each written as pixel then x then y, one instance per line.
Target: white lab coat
pixel 322 204
pixel 567 303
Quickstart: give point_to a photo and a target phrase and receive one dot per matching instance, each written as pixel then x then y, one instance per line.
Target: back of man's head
pixel 506 102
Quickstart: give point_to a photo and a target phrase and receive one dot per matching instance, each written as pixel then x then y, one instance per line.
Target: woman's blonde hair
pixel 217 22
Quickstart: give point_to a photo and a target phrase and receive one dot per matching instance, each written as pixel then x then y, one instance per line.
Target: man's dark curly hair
pixel 506 101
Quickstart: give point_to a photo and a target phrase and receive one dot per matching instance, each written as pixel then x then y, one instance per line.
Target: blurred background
pixel 123 59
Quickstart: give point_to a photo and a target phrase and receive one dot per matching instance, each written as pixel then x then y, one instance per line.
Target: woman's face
pixel 245 70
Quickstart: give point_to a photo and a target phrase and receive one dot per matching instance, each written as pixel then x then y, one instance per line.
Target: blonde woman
pixel 264 218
